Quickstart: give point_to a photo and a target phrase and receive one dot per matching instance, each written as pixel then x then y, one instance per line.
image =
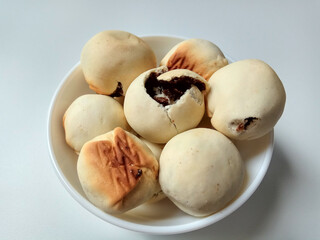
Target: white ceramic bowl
pixel 157 218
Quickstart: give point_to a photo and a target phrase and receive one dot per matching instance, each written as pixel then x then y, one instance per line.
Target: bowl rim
pixel 156 230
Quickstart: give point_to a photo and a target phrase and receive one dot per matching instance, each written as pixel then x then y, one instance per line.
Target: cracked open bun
pixel 160 104
pixel 89 116
pixel 117 171
pixel 201 171
pixel 246 99
pixel 198 55
pixel 111 60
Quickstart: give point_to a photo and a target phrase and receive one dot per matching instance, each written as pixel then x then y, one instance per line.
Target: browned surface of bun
pixel 120 165
pixel 183 58
pixel 94 88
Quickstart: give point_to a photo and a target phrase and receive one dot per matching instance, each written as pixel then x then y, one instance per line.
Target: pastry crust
pixel 198 55
pixel 117 171
pixel 112 59
pixel 246 99
pixel 201 171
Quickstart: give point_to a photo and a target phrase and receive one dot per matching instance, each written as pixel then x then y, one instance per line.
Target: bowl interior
pixel 157 218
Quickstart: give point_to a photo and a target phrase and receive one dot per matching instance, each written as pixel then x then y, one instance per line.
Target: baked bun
pixel 111 60
pixel 201 171
pixel 160 104
pixel 198 55
pixel 156 149
pixel 117 171
pixel 246 99
pixel 89 116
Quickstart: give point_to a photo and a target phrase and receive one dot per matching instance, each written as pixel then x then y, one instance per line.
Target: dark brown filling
pixel 170 91
pixel 118 92
pixel 246 123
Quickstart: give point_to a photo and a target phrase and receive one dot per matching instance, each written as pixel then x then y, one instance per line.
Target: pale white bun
pixel 89 116
pixel 112 59
pixel 154 121
pixel 155 148
pixel 198 55
pixel 117 171
pixel 246 99
pixel 201 171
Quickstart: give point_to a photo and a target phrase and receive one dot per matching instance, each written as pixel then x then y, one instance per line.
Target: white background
pixel 40 42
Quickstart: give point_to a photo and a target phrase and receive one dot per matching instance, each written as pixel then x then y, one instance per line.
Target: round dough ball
pixel 111 60
pixel 155 148
pixel 246 99
pixel 117 171
pixel 89 116
pixel 160 104
pixel 198 55
pixel 201 171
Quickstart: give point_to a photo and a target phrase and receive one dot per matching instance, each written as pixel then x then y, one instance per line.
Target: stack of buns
pixel 151 146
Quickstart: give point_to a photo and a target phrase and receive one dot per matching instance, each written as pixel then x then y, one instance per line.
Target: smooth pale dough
pixel 198 55
pixel 246 99
pixel 112 57
pixel 155 122
pixel 156 149
pixel 89 116
pixel 117 171
pixel 201 171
